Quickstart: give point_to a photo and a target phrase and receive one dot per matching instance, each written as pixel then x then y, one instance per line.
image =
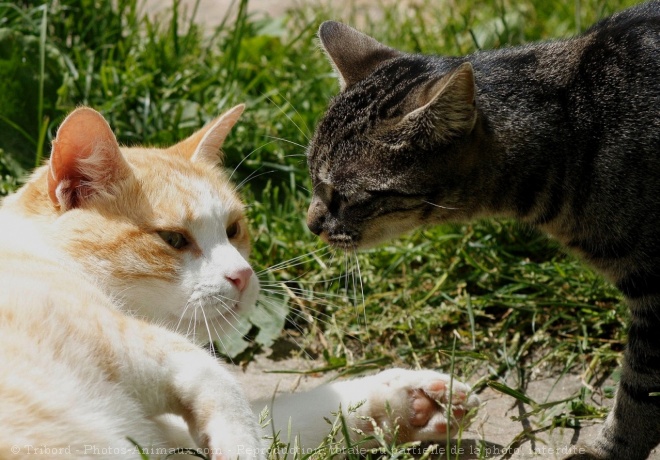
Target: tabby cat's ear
pixel 85 159
pixel 353 54
pixel 205 144
pixel 446 106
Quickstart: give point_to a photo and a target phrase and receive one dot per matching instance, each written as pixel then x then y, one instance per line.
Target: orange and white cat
pixel 105 252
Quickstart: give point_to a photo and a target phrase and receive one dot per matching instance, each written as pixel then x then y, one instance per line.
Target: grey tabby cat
pixel 563 135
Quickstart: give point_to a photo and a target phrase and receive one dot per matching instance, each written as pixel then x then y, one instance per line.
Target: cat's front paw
pixel 420 404
pixel 229 441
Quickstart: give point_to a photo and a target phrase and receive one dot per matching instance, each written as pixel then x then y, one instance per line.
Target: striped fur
pixel 563 135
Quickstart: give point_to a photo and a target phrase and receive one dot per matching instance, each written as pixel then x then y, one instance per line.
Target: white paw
pixel 233 440
pixel 419 403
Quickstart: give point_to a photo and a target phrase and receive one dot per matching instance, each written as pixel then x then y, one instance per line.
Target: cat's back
pixel 55 387
pixel 34 272
pixel 629 39
pixel 635 19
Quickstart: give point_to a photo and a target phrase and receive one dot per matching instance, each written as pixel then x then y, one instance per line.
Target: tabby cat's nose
pixel 315 226
pixel 316 216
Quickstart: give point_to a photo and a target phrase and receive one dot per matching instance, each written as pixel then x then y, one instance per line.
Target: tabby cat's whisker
pixel 321 316
pixel 298 328
pixel 286 263
pixel 354 276
pixel 439 206
pixel 346 271
pixel 298 280
pixel 309 318
pixel 320 302
pixel 318 317
pixel 302 293
pixel 359 275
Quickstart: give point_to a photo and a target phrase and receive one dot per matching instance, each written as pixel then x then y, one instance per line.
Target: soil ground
pixel 493 429
pixel 494 423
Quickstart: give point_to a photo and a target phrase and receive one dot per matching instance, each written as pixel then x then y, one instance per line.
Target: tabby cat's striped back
pixel 563 135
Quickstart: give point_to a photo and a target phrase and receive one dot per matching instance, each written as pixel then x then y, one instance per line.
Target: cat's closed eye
pixel 174 239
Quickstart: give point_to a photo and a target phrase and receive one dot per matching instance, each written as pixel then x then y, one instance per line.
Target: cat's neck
pixel 527 135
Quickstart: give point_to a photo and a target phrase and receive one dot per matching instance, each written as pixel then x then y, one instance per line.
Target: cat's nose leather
pixel 316 215
pixel 314 220
pixel 240 278
pixel 314 226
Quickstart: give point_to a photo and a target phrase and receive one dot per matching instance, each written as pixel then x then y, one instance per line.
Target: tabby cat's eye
pixel 233 230
pixel 174 239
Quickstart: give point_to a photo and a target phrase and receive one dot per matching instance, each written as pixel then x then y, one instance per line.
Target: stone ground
pixel 494 423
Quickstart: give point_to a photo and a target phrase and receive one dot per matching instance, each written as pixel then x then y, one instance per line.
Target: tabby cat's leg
pixel 632 428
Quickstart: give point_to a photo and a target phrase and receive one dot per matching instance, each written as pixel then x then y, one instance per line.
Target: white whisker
pixel 247 156
pixel 228 322
pixel 288 263
pixel 287 141
pixel 439 206
pixel 208 331
pixel 183 313
pixel 304 293
pixel 250 177
pixel 222 343
pixel 238 187
pixel 287 115
pixel 359 274
pixel 268 306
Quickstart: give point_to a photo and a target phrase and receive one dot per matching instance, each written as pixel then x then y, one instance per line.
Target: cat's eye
pixel 174 239
pixel 233 230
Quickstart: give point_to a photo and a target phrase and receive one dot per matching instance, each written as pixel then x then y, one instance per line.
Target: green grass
pixel 509 297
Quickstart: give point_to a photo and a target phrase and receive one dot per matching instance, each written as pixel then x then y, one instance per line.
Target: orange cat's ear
pixel 85 159
pixel 205 144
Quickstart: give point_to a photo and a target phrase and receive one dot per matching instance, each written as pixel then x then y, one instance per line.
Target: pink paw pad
pixel 437 386
pixel 423 408
pixel 441 427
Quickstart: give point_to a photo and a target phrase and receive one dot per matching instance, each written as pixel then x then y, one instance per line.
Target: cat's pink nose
pixel 240 278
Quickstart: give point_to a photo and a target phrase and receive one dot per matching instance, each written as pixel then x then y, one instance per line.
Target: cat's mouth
pixel 212 308
pixel 341 241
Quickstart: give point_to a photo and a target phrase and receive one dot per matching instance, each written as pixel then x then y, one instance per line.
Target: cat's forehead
pixel 184 190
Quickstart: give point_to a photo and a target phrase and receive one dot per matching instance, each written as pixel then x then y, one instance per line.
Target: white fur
pixel 70 402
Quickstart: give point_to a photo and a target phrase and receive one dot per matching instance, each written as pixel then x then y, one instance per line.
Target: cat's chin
pixel 370 238
pixel 354 245
pixel 341 241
